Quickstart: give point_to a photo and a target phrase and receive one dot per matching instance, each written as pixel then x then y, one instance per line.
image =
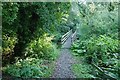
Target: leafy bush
pixel 24 23
pixel 98 34
pixel 102 50
pixel 8 44
pixel 83 70
pixel 9 12
pixel 100 47
pixel 41 48
pixel 29 67
pixel 103 47
pixel 9 36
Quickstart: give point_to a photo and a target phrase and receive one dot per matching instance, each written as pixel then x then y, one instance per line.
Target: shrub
pixel 8 44
pixel 29 21
pixel 9 12
pixel 83 70
pixel 103 45
pixel 102 50
pixel 29 67
pixel 41 48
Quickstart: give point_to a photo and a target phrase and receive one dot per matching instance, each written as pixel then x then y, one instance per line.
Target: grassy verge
pixel 50 70
pixel 51 65
pixel 82 69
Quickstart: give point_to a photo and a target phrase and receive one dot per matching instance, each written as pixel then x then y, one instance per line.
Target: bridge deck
pixel 68 43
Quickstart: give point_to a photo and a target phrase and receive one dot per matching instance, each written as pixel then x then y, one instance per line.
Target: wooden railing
pixel 66 36
pixel 73 38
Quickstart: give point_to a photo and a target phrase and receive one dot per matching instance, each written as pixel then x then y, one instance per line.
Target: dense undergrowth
pixel 102 51
pixel 82 69
pixel 98 40
pixel 31 35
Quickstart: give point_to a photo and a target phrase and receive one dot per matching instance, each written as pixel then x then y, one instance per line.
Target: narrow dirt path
pixel 64 63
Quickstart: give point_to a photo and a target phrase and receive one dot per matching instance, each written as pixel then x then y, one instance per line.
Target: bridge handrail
pixel 73 38
pixel 65 36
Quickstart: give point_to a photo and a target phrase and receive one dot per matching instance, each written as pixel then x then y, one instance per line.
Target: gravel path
pixel 63 64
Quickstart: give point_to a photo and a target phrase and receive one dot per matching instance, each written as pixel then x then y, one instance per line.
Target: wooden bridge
pixel 70 36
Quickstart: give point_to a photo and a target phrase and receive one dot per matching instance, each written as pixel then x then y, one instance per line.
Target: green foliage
pixel 9 12
pixel 83 70
pixel 8 44
pixel 27 31
pixel 102 50
pixel 9 15
pixel 100 22
pixel 39 50
pixel 98 36
pixel 24 25
pixel 28 28
pixel 103 44
pixel 29 67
